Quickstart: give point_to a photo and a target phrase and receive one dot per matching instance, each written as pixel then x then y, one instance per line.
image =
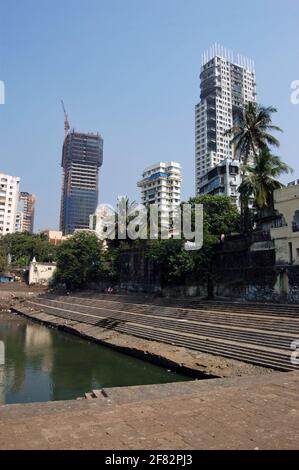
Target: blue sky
pixel 129 69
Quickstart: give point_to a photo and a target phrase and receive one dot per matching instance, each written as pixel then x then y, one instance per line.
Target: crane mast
pixel 66 120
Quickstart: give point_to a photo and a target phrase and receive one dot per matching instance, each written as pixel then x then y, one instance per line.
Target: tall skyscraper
pixel 225 86
pixel 9 194
pixel 82 156
pixel 25 212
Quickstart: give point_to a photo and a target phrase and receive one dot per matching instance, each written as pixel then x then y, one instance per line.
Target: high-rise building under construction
pixel 226 86
pixel 82 157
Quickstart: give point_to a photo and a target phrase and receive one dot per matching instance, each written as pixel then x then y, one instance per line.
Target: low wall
pixel 243 270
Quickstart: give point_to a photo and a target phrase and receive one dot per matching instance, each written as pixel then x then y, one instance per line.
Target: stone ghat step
pixel 154 308
pixel 218 318
pixel 255 355
pixel 90 396
pixel 209 330
pixel 259 325
pixel 119 326
pixel 253 309
pixel 260 358
pixel 190 303
pixel 261 310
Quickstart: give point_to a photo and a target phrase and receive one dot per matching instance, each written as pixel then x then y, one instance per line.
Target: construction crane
pixel 66 120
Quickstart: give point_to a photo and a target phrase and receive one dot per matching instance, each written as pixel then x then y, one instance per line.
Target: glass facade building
pixel 82 157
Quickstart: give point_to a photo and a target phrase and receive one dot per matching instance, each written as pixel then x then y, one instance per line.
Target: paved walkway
pixel 240 413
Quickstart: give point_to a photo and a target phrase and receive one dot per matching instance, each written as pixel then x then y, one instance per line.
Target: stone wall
pixel 138 273
pixel 243 271
pixel 293 276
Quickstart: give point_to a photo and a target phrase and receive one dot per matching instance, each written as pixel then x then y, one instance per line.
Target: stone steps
pixel 196 303
pixel 255 337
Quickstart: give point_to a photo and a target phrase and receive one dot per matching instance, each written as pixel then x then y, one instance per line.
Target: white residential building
pixel 226 86
pixel 9 196
pixel 161 185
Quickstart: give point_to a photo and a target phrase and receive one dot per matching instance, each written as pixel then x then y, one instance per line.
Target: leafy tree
pixel 78 260
pixel 3 263
pixel 109 267
pixel 220 218
pixel 23 247
pixel 174 261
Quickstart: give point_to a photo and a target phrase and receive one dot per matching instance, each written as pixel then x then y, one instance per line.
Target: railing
pixel 262 236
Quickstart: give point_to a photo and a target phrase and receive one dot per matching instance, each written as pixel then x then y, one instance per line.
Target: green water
pixel 43 364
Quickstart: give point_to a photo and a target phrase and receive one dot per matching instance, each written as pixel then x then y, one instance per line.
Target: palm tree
pixel 261 178
pixel 252 131
pixel 250 134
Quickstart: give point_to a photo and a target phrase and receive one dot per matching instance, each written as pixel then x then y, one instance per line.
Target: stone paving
pixel 239 413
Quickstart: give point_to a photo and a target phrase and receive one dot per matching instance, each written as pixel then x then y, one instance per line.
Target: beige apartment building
pixel 55 237
pixel 286 237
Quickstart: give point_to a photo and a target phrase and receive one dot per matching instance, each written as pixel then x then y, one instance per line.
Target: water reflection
pixel 43 364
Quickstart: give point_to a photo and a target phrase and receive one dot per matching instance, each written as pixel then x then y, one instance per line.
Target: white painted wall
pixel 41 273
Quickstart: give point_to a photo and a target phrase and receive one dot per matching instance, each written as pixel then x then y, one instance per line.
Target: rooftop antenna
pixel 66 120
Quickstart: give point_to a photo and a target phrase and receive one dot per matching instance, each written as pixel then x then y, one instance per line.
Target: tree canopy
pixel 253 130
pixel 23 247
pixel 261 178
pixel 221 217
pixel 78 260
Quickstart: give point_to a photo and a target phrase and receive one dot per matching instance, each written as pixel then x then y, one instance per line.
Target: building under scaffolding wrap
pixel 82 156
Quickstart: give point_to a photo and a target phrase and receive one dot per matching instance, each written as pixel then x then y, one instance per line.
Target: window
pixel 296 222
pixel 291 252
